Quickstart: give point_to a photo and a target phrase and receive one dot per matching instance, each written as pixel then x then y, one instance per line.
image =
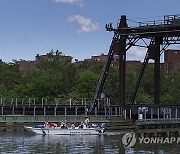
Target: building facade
pixel 27 65
pixel 171 61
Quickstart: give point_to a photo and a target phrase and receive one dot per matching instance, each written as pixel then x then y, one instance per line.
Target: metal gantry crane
pixel 160 34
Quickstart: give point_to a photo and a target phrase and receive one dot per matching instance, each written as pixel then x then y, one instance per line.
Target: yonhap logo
pixel 129 140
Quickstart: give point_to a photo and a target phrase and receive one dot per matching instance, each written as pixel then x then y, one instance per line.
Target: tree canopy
pixel 60 79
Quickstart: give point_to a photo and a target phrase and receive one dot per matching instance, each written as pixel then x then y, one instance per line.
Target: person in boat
pixel 53 125
pixel 72 126
pixel 81 125
pixel 65 124
pixel 93 125
pixel 86 122
pixel 62 124
pixel 46 124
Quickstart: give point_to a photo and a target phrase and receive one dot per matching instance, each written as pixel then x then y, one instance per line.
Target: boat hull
pixel 71 131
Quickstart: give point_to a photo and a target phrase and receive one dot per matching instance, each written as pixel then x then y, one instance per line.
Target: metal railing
pixel 54 110
pixel 158 115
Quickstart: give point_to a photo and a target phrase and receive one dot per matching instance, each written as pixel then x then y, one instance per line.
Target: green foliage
pixel 87 84
pixel 130 86
pixel 111 87
pixel 56 78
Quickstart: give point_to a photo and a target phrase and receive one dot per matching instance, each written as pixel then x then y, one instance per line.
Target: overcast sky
pixel 74 27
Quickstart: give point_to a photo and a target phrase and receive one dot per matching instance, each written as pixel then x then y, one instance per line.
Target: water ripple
pixel 75 144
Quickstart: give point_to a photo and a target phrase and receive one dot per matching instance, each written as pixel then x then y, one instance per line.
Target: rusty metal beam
pixel 122 63
pixel 158 42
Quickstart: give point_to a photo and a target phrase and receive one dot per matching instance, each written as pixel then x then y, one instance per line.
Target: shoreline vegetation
pixel 59 79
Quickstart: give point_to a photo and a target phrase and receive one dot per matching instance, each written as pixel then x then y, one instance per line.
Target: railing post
pixel 115 111
pixel 70 102
pixel 65 111
pixel 109 110
pixel 13 110
pixel 44 110
pixel 151 114
pixel 85 103
pixel 76 111
pixel 2 111
pixel 42 101
pixel 98 103
pixel 105 110
pixel 125 114
pixel 95 111
pixel 23 111
pixel 170 114
pixel 176 115
pixel 109 101
pixel 130 114
pixel 85 110
pixel 16 101
pixel 34 111
pixel 29 101
pixel 55 110
pixel 82 102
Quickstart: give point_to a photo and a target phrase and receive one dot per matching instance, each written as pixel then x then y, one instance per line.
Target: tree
pixel 111 87
pixel 87 84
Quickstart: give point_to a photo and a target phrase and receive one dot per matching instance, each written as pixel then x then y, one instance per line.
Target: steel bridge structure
pixel 158 34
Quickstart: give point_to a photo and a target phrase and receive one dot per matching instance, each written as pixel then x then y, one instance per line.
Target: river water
pixel 109 143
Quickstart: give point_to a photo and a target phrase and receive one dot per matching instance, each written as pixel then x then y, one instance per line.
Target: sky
pixel 74 27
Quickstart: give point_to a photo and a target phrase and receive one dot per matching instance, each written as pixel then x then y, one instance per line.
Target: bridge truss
pixel 159 34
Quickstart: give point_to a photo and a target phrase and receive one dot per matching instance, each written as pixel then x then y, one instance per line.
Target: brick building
pixel 131 65
pixel 171 61
pixel 102 58
pixel 170 65
pixel 27 65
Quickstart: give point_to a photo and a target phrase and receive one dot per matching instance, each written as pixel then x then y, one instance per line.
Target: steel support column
pixel 157 71
pixel 122 63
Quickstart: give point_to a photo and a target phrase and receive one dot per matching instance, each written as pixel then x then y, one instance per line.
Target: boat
pixel 71 130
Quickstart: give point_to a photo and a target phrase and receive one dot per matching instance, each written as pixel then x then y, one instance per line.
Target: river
pixel 110 143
